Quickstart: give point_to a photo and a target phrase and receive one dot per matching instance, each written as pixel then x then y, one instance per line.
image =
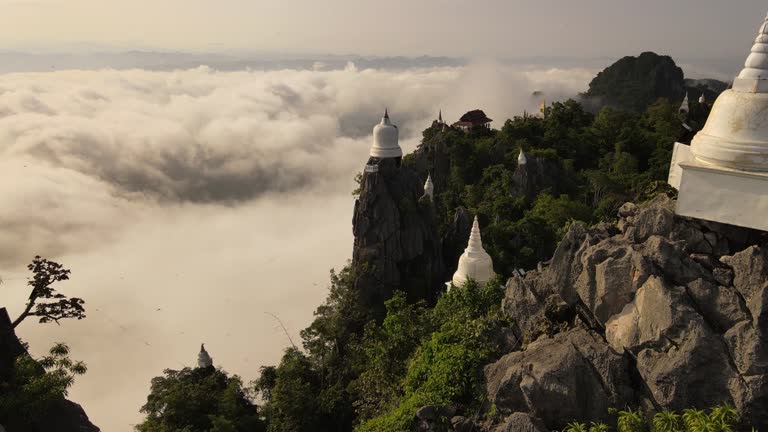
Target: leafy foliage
pixel 44 302
pixel 445 369
pixel 34 385
pixel 199 400
pixel 719 419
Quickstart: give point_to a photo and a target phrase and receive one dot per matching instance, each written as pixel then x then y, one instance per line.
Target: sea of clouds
pixel 189 203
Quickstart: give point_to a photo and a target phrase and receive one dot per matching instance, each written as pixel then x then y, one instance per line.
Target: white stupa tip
pixel 756 66
pixel 684 107
pixel 474 263
pixel 521 158
pixel 429 187
pixel 386 139
pixel 203 359
pixel 702 99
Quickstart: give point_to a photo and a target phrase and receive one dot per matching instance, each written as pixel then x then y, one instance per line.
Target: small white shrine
pixel 386 139
pixel 429 188
pixel 522 159
pixel 474 263
pixel 723 175
pixel 204 360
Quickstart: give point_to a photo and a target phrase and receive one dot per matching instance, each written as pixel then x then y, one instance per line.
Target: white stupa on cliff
pixel 204 360
pixel 429 188
pixel 474 263
pixel 685 106
pixel 521 158
pixel 723 175
pixel 386 139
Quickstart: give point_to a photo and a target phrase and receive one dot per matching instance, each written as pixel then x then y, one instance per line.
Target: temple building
pixel 474 263
pixel 386 139
pixel 203 359
pixel 723 175
pixel 475 119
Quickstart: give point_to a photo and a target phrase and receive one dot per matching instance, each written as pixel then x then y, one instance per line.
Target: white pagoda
pixel 204 360
pixel 429 188
pixel 474 263
pixel 521 158
pixel 723 175
pixel 386 139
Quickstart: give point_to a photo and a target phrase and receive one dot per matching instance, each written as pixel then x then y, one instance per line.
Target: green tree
pixel 33 386
pixel 44 302
pixel 199 400
pixel 385 353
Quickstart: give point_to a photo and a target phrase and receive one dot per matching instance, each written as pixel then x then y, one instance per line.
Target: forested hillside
pixel 356 372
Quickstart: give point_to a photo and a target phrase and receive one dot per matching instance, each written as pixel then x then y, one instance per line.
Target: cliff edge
pixel 61 415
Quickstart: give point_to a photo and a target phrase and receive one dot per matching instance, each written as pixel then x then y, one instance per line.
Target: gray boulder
pixel 521 422
pixel 677 312
pixel 570 376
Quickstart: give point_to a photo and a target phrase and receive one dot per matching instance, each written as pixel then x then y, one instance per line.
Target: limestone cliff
pixel 665 313
pixel 396 241
pixel 62 416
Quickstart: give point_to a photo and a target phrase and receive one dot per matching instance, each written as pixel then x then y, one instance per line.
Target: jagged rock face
pixel 62 416
pixel 521 422
pixel 455 239
pixel 396 241
pixel 571 375
pixel 684 302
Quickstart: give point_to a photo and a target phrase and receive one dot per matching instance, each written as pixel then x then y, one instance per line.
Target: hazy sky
pixel 682 28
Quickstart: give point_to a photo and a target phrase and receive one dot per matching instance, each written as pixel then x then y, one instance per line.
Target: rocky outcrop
pixel 671 313
pixel 634 83
pixel 61 415
pixel 396 241
pixel 521 422
pixel 572 375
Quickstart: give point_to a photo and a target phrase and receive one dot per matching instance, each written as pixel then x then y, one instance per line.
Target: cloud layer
pixel 188 203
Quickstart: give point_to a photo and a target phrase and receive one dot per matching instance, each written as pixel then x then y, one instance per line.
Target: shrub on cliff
pixel 445 369
pixel 199 400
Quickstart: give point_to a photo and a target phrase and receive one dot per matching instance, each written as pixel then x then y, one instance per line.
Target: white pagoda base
pixel 718 194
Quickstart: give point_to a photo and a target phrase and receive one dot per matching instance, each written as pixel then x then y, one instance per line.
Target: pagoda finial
pixel 429 187
pixel 440 116
pixel 204 360
pixel 475 243
pixel 754 77
pixel 474 263
pixel 386 113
